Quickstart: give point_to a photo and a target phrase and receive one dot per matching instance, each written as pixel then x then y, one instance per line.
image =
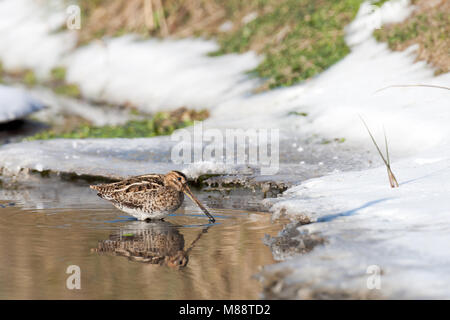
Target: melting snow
pixel 16 104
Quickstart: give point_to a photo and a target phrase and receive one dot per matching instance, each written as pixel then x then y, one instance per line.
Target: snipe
pixel 151 196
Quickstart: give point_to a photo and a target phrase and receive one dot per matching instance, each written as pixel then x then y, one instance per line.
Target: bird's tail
pixel 95 187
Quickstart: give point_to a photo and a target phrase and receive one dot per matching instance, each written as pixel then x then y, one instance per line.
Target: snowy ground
pixel 402 232
pixel 16 104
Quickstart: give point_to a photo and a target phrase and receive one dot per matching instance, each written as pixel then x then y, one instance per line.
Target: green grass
pixel 427 27
pixel 379 3
pixel 59 84
pixel 299 38
pixel 58 74
pixel 400 34
pixel 70 90
pixel 57 81
pixel 29 78
pixel 160 124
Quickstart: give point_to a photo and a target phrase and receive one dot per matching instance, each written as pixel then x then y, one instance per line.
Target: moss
pixel 162 123
pixel 379 3
pixel 58 74
pixel 57 81
pixel 59 84
pixel 71 90
pixel 29 78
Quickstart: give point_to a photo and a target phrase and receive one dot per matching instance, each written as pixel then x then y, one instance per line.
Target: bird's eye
pixel 179 178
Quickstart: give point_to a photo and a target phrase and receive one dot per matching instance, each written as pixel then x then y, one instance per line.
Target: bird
pixel 150 196
pixel 154 242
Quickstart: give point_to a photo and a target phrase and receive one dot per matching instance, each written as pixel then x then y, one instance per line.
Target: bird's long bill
pixel 188 192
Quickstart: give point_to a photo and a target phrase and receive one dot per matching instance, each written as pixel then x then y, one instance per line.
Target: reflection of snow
pixel 16 104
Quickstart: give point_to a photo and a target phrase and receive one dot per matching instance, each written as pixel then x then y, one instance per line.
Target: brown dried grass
pixel 429 27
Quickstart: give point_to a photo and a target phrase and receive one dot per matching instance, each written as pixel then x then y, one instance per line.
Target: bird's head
pixel 178 261
pixel 178 181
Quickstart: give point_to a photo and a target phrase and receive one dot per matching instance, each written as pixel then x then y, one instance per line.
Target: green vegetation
pixel 429 27
pixel 401 33
pixel 379 3
pixel 297 113
pixel 298 38
pixel 57 80
pixel 58 74
pixel 60 86
pixel 128 235
pixel 71 90
pixel 29 78
pixel 162 123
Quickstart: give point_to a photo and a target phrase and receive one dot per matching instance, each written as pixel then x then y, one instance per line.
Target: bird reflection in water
pixel 155 242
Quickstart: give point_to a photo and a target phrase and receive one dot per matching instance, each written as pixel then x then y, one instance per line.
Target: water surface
pixel 48 226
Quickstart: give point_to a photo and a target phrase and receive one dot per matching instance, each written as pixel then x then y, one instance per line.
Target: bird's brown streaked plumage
pixel 156 242
pixel 151 196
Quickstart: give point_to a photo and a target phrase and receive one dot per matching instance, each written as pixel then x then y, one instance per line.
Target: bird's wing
pixel 137 184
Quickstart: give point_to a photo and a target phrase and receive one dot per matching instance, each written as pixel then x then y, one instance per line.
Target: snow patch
pixel 16 103
pixel 160 74
pixel 29 35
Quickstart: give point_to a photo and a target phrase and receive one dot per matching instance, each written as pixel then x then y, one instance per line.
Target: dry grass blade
pixel 392 180
pixel 148 15
pixel 412 85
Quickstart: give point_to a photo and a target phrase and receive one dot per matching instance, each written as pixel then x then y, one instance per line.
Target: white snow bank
pixel 113 158
pixel 405 231
pixel 150 74
pixel 29 37
pixel 160 74
pixel 16 103
pixel 59 106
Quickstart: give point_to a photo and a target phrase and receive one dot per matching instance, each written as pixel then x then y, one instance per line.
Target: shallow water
pixel 47 226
